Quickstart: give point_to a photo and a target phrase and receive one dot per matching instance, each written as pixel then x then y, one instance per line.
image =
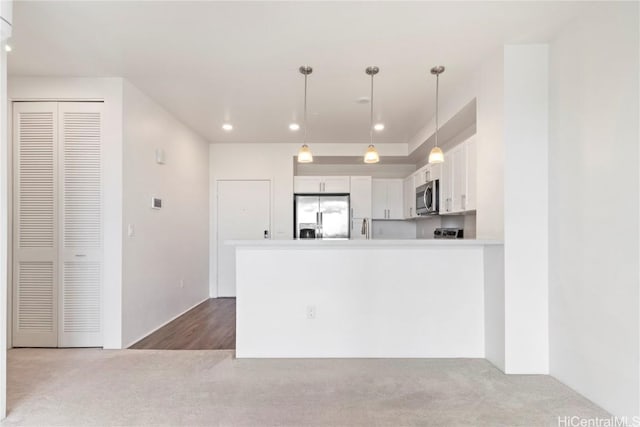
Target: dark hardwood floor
pixel 208 326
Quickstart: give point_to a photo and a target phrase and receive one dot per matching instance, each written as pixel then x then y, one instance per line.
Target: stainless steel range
pixel 448 233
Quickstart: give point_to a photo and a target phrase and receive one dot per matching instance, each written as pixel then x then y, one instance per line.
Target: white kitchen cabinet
pixel 420 176
pixel 472 175
pixel 409 196
pixel 360 197
pixel 458 179
pixel 434 172
pixel 320 184
pixel 427 173
pixel 446 184
pixel 387 197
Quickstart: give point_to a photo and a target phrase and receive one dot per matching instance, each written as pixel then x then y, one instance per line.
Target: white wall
pixel 108 90
pixel 489 87
pixel 5 33
pixel 170 244
pixel 393 229
pixel 593 207
pixel 274 162
pixel 363 307
pixel 378 170
pixel 525 214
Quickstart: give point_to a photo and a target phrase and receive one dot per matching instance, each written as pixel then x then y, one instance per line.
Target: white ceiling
pixel 211 62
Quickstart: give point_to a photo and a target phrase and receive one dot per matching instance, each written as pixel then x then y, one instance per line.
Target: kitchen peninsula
pixel 368 298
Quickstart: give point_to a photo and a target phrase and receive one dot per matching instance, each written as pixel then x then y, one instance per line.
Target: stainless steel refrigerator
pixel 328 215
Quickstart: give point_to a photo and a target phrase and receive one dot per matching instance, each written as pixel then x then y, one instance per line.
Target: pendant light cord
pixel 371 114
pixel 305 109
pixel 437 89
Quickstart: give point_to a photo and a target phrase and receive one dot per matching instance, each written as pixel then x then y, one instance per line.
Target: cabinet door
pixel 459 165
pixel 379 198
pixel 446 183
pixel 470 202
pixel 421 176
pixel 394 199
pixel 435 171
pixel 407 189
pixel 307 184
pixel 360 197
pixel 335 184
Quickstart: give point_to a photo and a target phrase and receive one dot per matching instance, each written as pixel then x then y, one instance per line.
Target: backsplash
pixel 400 229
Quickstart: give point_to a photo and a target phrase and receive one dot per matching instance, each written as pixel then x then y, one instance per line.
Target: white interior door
pixel 57 276
pixel 80 207
pixel 35 233
pixel 244 213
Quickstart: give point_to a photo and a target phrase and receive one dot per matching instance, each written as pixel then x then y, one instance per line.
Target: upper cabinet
pixel 321 184
pixel 360 197
pixel 458 179
pixel 427 173
pixel 387 199
pixel 409 204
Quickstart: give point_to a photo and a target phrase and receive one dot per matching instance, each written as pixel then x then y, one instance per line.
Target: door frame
pixel 213 273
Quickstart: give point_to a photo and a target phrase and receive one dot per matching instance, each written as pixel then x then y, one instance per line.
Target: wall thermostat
pixel 156 203
pixel 160 156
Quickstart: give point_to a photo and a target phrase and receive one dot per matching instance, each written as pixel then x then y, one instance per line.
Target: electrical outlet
pixel 131 230
pixel 311 312
pixel 181 283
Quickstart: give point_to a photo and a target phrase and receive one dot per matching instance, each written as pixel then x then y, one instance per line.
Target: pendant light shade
pixel 436 155
pixel 371 156
pixel 304 154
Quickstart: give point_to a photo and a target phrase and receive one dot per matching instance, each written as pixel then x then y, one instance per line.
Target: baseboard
pixel 164 324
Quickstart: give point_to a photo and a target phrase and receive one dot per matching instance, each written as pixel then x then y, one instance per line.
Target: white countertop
pixel 373 243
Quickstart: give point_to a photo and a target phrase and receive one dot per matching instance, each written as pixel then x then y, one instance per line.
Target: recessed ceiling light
pixel 379 126
pixel 294 126
pixel 7 48
pixel 227 126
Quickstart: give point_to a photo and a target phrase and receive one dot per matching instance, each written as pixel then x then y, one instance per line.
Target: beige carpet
pixel 210 388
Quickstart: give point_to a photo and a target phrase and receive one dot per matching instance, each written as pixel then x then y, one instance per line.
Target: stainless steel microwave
pixel 428 198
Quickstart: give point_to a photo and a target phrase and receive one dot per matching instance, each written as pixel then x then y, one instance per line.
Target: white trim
pixel 165 323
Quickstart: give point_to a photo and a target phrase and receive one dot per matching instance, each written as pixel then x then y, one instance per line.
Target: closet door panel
pixel 35 218
pixel 80 275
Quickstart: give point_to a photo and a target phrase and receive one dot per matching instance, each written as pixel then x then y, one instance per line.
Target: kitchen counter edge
pixel 361 243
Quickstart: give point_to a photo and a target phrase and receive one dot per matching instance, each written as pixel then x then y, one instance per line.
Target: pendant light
pixel 436 155
pixel 304 154
pixel 371 156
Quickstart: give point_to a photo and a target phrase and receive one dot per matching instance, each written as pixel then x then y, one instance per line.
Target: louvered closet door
pixel 35 263
pixel 80 210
